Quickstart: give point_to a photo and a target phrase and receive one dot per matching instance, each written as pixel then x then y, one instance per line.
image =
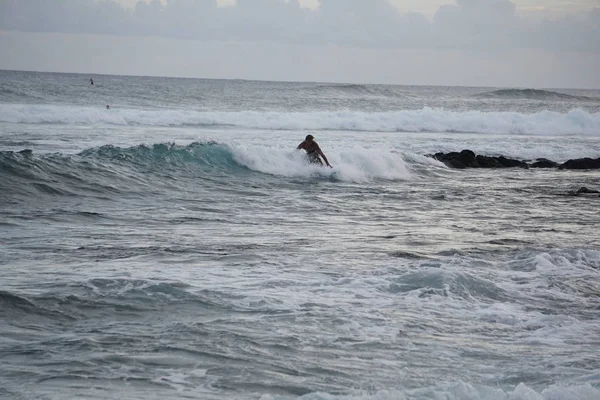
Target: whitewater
pixel 177 246
pixel 425 120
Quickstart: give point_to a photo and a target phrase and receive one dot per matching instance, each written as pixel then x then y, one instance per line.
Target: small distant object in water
pixel 107 107
pixel 91 81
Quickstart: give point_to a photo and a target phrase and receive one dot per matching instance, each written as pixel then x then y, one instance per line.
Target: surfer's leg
pixel 314 159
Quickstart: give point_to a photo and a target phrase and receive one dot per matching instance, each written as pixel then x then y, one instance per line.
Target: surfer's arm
pixel 324 158
pixel 300 146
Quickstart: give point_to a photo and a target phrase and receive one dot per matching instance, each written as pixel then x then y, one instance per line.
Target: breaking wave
pixel 357 90
pixel 576 121
pixel 112 169
pixel 460 391
pixel 532 94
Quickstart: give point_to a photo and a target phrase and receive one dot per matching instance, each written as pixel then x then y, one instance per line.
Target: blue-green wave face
pixel 211 155
pixel 167 165
pixel 114 169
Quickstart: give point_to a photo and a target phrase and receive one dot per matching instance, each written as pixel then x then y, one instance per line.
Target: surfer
pixel 313 151
pixel 91 81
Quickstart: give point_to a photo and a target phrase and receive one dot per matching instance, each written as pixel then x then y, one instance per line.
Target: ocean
pixel 176 245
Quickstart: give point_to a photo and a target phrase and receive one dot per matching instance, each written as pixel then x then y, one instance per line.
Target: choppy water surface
pixel 177 246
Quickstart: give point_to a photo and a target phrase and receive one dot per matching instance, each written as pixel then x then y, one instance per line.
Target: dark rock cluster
pixel 584 191
pixel 581 163
pixel 468 159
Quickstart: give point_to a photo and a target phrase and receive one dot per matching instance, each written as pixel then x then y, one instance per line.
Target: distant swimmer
pixel 313 151
pixel 91 81
pixel 107 107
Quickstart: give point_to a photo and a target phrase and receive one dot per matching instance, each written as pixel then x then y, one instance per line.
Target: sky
pixel 501 43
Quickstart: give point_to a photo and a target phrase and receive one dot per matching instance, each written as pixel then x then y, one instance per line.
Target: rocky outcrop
pixel 584 191
pixel 464 159
pixel 581 163
pixel 510 163
pixel 488 162
pixel 468 159
pixel 544 163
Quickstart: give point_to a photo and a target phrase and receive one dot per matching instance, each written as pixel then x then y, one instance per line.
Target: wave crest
pixel 576 121
pixel 210 154
pixel 461 391
pixel 109 168
pixel 532 94
pixel 112 169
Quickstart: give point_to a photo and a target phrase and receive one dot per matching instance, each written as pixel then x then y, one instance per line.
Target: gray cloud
pixel 467 24
pixel 477 23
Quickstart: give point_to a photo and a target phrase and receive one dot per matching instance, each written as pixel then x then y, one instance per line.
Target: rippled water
pixel 150 260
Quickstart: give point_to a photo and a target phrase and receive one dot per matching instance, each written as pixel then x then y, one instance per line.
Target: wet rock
pixel 464 159
pixel 450 159
pixel 581 163
pixel 468 159
pixel 583 190
pixel 511 163
pixel 544 163
pixel 455 163
pixel 488 162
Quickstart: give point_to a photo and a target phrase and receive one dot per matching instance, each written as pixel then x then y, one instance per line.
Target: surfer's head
pixel 309 138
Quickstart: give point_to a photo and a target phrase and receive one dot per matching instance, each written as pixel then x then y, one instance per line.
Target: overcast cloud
pixel 464 42
pixel 470 24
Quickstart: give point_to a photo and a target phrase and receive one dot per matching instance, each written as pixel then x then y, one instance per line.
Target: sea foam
pixel 462 391
pixel 576 121
pixel 351 165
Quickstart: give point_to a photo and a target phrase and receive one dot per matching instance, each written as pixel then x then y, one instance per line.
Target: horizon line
pixel 290 81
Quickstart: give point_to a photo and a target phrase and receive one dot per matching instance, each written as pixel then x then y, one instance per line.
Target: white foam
pixel 576 121
pixel 463 391
pixel 350 165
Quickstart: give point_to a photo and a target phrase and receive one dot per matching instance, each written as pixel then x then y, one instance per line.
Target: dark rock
pixel 451 159
pixel 440 156
pixel 510 163
pixel 467 157
pixel 464 159
pixel 488 162
pixel 583 190
pixel 455 163
pixel 581 163
pixel 453 155
pixel 544 163
pixel 26 152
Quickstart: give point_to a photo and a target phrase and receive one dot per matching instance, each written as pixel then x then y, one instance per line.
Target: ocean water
pixel 177 246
